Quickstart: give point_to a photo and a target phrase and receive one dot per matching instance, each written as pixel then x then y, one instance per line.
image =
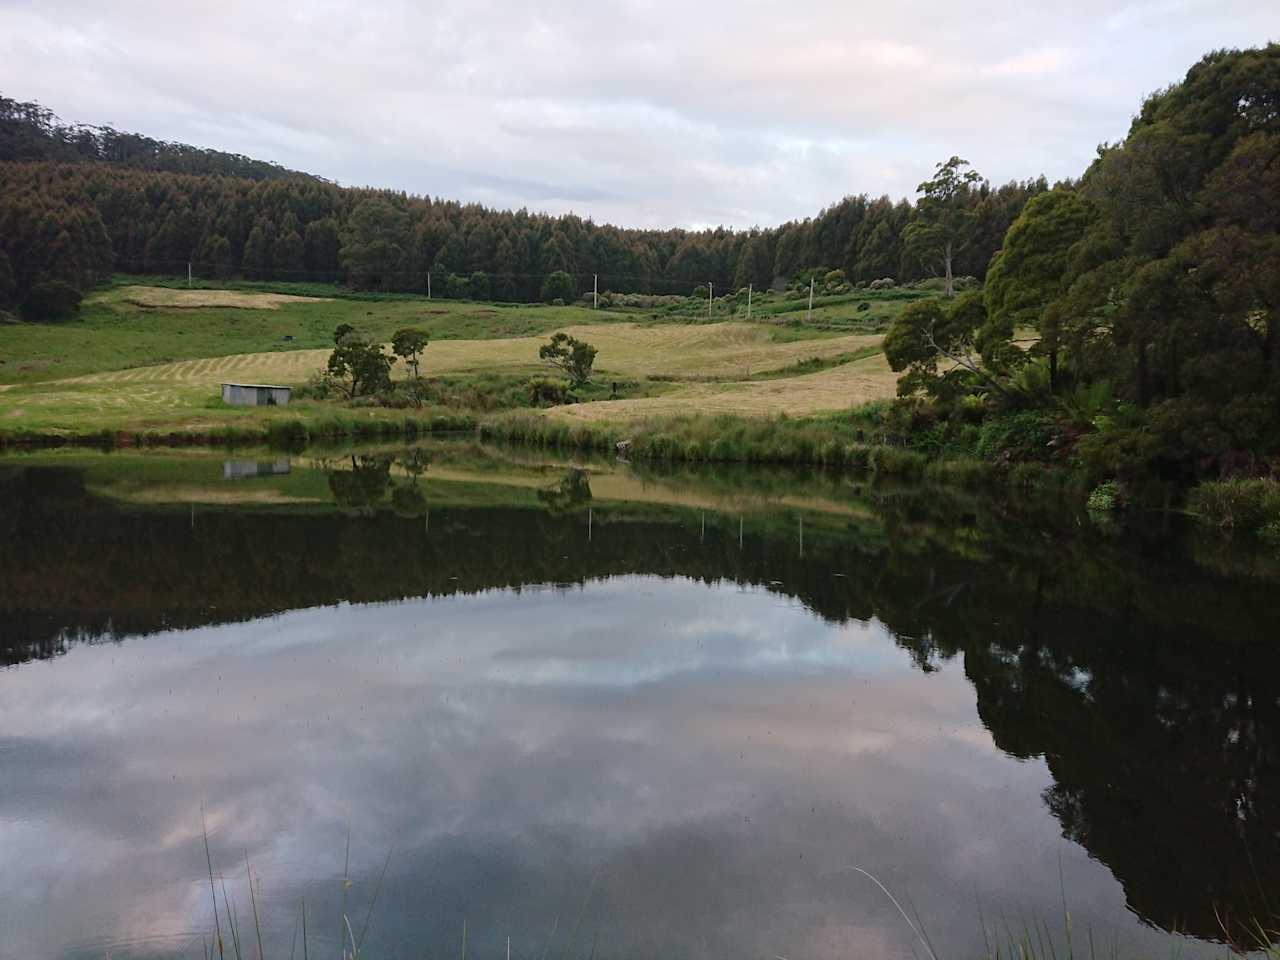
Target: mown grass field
pixel 147 358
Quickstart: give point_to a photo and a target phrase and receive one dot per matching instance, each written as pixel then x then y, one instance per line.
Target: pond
pixel 459 694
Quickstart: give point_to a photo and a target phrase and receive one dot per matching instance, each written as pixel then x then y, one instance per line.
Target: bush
pixel 1106 496
pixel 548 391
pixel 318 386
pixel 1019 436
pixel 1241 503
pixel 863 307
pixel 884 283
pixel 895 461
pixel 51 300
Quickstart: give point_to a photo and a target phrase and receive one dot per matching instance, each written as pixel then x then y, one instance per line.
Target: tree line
pixel 77 206
pixel 29 131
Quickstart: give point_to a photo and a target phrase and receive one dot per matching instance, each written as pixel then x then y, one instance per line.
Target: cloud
pixel 639 112
pixel 714 757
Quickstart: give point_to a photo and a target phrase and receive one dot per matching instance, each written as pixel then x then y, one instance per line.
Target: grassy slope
pixel 114 333
pixel 136 362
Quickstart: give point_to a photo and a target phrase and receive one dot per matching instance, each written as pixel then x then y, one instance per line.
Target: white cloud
pixel 646 113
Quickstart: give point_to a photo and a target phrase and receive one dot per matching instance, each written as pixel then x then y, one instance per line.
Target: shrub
pixel 1269 533
pixel 548 391
pixel 319 386
pixel 1105 496
pixel 51 300
pixel 884 283
pixel 863 307
pixel 1019 436
pixel 895 461
pixel 1240 503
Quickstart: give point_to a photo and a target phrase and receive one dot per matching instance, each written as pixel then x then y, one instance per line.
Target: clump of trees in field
pixel 1130 321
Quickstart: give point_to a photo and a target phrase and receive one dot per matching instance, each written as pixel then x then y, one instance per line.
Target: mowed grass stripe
pixel 724 349
pixel 839 388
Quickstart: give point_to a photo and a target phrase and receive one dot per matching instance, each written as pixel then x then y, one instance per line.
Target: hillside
pixel 29 131
pixel 78 203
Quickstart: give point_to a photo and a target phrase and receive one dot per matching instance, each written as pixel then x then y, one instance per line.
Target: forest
pixel 79 203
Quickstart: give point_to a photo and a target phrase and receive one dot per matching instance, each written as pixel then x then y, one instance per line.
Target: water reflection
pixel 711 725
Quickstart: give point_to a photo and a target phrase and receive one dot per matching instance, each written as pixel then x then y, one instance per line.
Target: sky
pixel 640 113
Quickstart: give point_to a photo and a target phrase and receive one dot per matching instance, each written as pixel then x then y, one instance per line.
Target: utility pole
pixel 710 291
pixel 428 284
pixel 188 273
pixel 748 301
pixel 809 319
pixel 595 291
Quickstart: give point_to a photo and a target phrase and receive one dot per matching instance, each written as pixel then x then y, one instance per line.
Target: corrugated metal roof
pixel 266 386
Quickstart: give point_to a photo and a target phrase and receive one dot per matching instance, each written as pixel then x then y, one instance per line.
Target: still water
pixel 597 708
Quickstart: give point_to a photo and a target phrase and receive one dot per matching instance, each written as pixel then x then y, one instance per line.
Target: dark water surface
pixel 641 713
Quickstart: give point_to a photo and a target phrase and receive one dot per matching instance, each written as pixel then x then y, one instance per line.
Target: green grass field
pixel 148 357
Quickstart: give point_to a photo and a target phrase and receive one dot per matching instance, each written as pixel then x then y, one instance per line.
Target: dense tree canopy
pixel 154 207
pixel 29 131
pixel 1155 280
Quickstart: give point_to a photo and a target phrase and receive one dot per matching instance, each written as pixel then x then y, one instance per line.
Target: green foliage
pixel 571 355
pixel 1105 497
pixel 8 285
pixel 548 391
pixel 1030 271
pixel 408 343
pixel 371 251
pixel 51 300
pixel 930 332
pixel 1088 405
pixel 153 207
pixel 945 218
pixel 557 286
pixel 896 462
pixel 360 366
pixel 1016 436
pixel 1237 503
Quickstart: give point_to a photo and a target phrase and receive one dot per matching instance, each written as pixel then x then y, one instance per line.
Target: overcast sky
pixel 733 112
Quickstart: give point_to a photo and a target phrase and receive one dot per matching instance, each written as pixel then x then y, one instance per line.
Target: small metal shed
pixel 255 394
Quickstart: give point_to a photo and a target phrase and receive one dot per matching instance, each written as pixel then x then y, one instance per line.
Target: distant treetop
pixel 29 131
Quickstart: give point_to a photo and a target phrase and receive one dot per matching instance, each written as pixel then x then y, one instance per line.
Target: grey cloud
pixel 716 757
pixel 640 113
